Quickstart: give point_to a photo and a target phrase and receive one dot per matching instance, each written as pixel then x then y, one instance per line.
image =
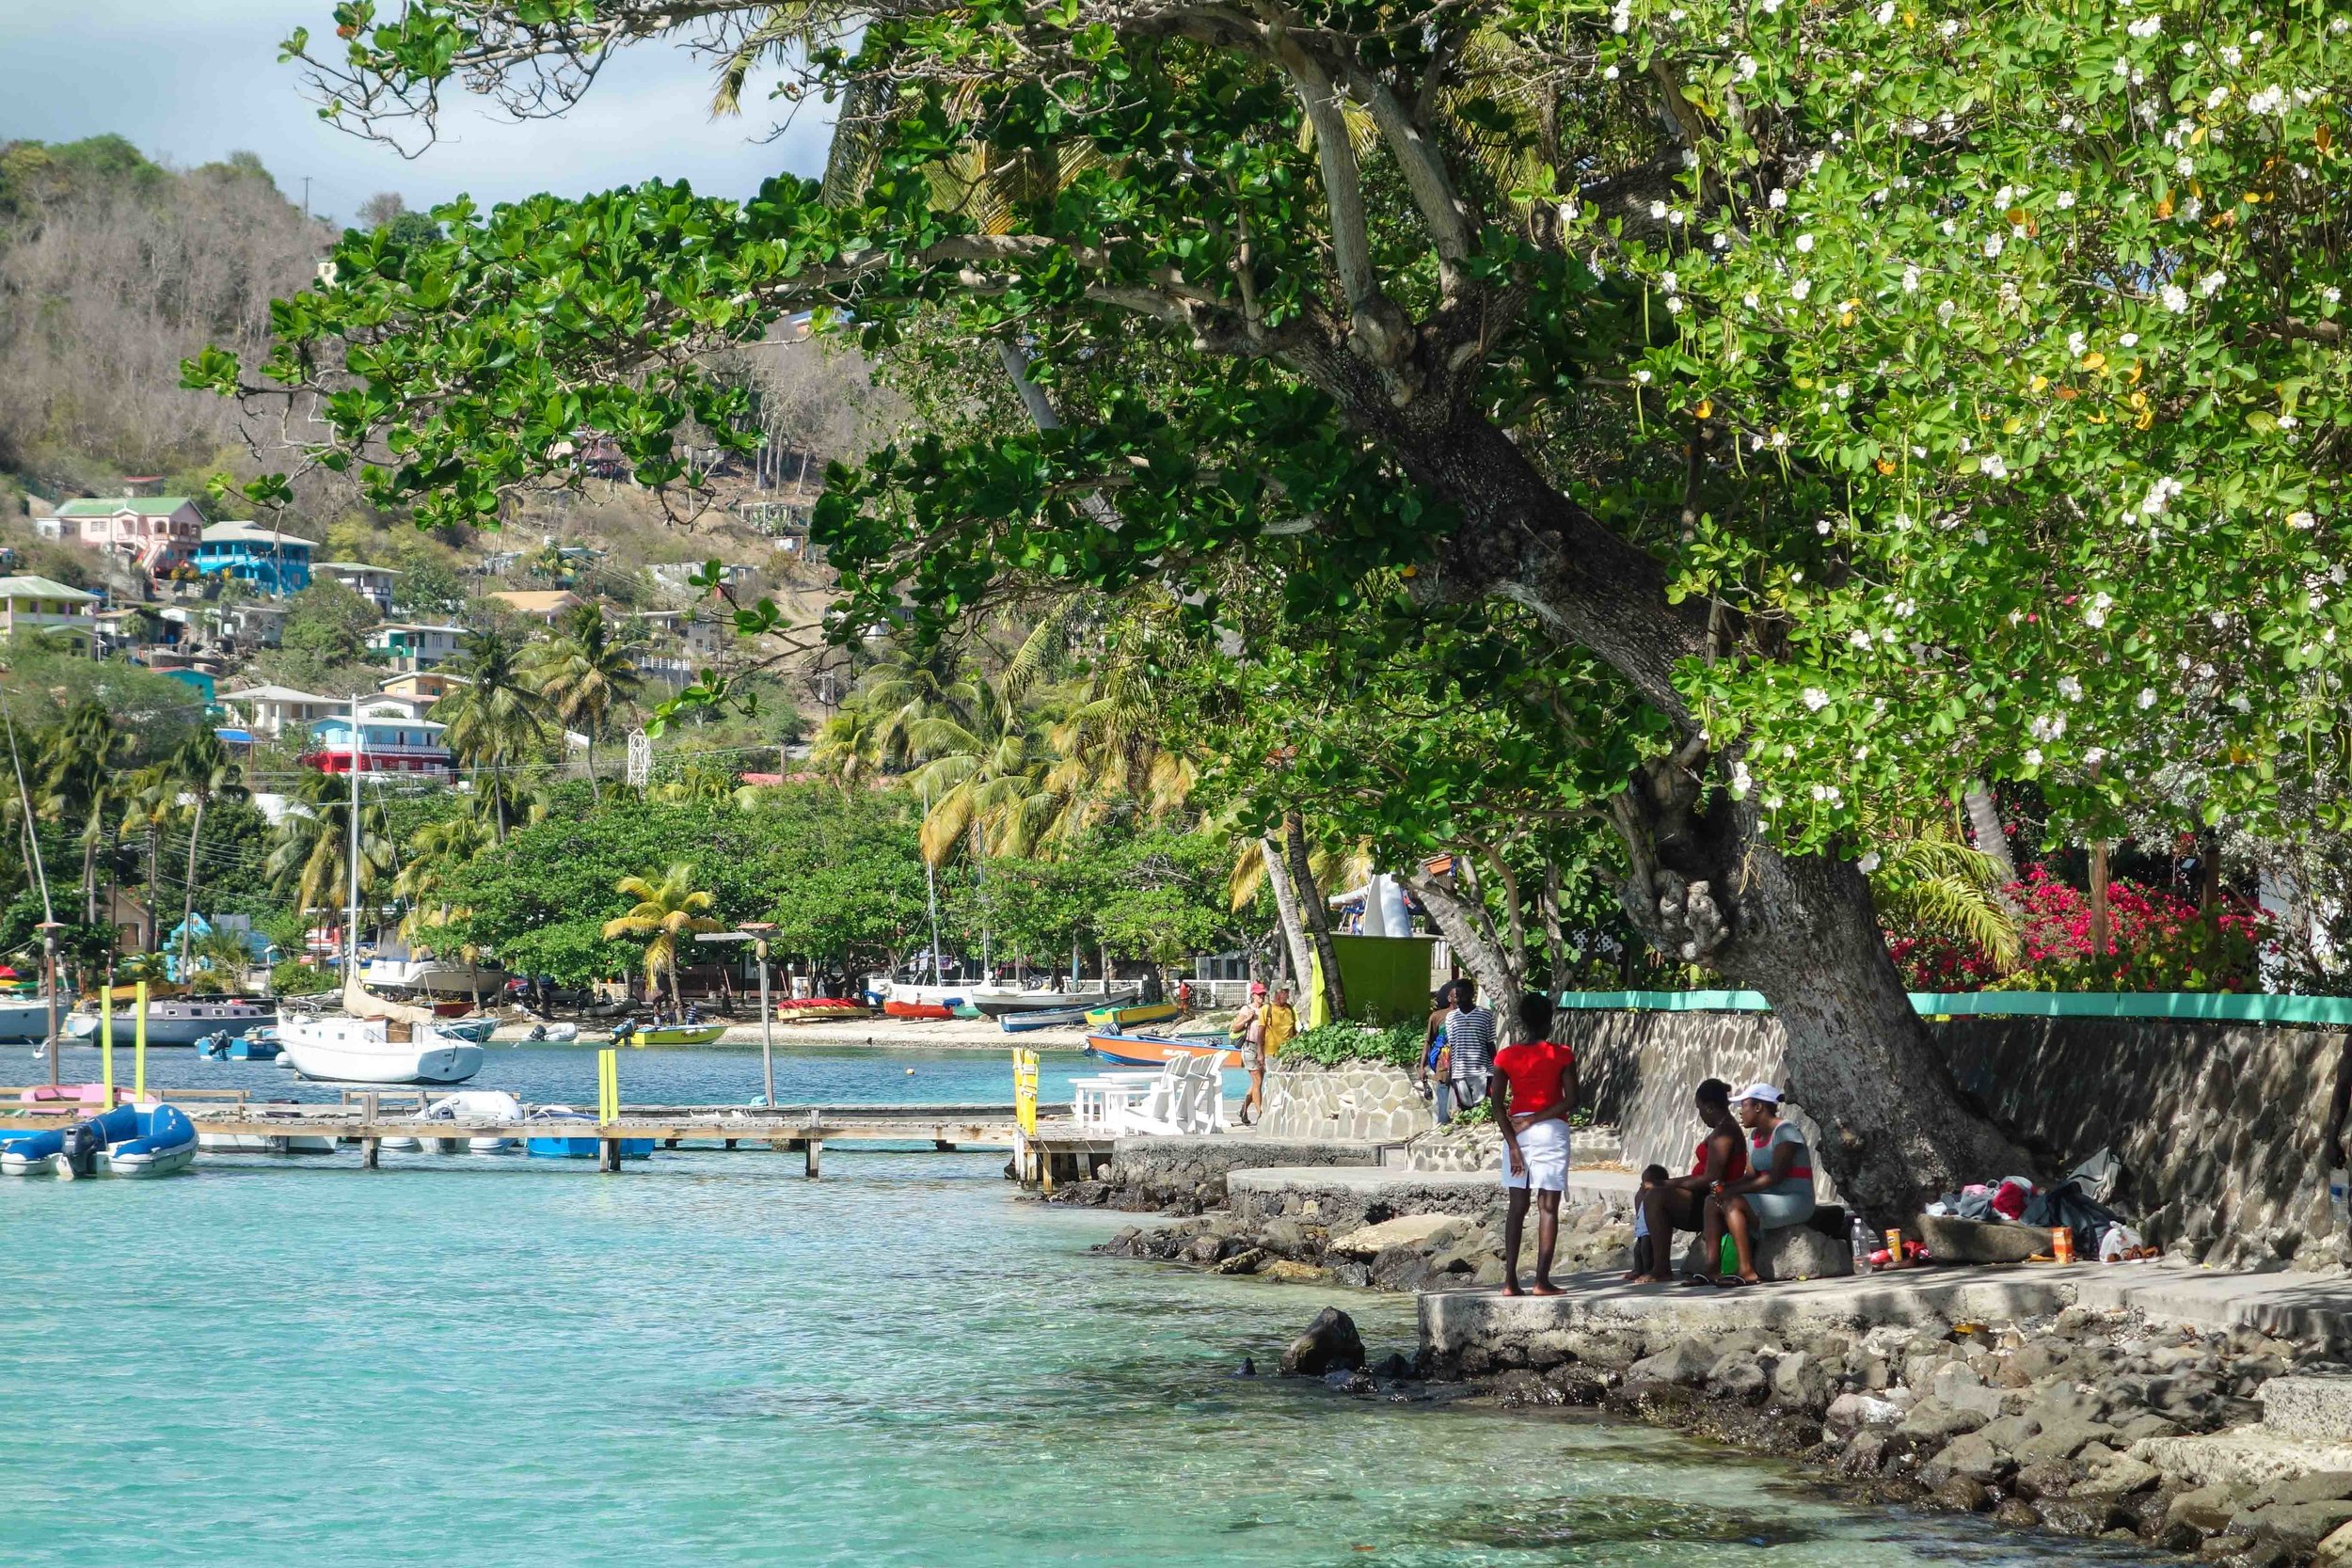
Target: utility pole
pixel 306 196
pixel 755 932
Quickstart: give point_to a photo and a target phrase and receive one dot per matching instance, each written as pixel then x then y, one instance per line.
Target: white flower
pixel 1993 467
pixel 1674 216
pixel 2221 620
pixel 1868 863
pixel 2269 101
pixel 1947 28
pixel 2146 27
pixel 1642 377
pixel 2302 520
pixel 1815 699
pixel 1804 242
pixel 1749 300
pixel 2160 496
pixel 1944 312
pixel 1689 157
pixel 2069 688
pixel 1821 527
pixel 2211 284
pixel 1801 288
pixel 2048 728
pixel 1861 640
pixel 1772 801
pixel 1746 68
pixel 2147 698
pixel 2176 298
pixel 1741 780
pixel 2333 294
pixel 1657 208
pixel 1621 17
pixel 2065 200
pixel 2074 341
pixel 1910 280
pixel 2095 613
pixel 2094 756
pixel 2033 757
pixel 1778 200
pixel 1674 305
pixel 2233 56
pixel 1844 389
pixel 1610 73
pixel 2184 166
pixel 2129 340
pixel 1885 14
pixel 2214 99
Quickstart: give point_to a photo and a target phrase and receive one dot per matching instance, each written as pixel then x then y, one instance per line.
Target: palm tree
pixel 149 801
pixel 495 714
pixel 847 747
pixel 667 907
pixel 310 861
pixel 1928 879
pixel 587 670
pixel 81 776
pixel 201 772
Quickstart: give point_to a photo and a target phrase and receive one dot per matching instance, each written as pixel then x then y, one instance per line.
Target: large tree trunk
pixel 1710 888
pixel 1277 876
pixel 1317 912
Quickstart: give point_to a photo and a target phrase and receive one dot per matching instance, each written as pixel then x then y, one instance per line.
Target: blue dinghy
pixel 129 1140
pixel 570 1148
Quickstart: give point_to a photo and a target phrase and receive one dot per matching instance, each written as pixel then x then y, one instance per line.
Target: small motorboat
pixel 130 1140
pixel 1155 1050
pixel 551 1033
pixel 931 1010
pixel 479 1106
pixel 1124 1015
pixel 259 1046
pixel 562 1142
pixel 1057 1018
pixel 669 1034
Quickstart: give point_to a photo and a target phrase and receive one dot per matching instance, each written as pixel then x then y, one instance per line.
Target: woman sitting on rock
pixel 1776 1192
pixel 1681 1203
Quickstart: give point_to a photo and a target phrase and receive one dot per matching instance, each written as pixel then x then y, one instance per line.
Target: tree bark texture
pixel 1277 876
pixel 1984 826
pixel 1318 913
pixel 1470 931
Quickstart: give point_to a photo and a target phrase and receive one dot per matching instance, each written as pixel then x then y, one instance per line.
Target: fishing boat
pixel 562 1142
pixel 896 1008
pixel 1059 1018
pixel 179 1022
pixel 1002 1001
pixel 129 1140
pixel 1153 1050
pixel 1124 1015
pixel 669 1034
pixel 376 1051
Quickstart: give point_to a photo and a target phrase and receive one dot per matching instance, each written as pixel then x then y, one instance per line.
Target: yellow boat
pixel 674 1034
pixel 1127 1014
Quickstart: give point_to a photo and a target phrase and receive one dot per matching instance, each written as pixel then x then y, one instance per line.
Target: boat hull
pixel 677 1033
pixel 26 1022
pixel 584 1149
pixel 1020 1023
pixel 896 1008
pixel 1130 1014
pixel 346 1052
pixel 178 1024
pixel 1154 1050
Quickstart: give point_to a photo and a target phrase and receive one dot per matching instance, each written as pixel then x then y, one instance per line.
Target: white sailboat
pixel 379 1041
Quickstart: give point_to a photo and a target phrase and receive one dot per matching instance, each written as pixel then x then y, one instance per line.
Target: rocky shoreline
pixel 2084 1423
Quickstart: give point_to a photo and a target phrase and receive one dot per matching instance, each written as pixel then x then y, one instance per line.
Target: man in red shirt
pixel 1533 1094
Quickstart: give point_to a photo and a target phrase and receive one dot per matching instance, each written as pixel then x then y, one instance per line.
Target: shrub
pixel 1397 1046
pixel 297 980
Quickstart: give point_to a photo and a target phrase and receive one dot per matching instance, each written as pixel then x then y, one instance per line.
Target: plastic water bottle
pixel 2337 1197
pixel 1861 1239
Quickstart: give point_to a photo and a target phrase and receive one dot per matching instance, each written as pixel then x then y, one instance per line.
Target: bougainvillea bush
pixel 2156 941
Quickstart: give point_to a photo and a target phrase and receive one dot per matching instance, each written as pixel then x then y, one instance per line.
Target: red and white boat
pixel 893 1007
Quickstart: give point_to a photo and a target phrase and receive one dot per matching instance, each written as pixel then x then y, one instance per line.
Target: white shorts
pixel 1544 1152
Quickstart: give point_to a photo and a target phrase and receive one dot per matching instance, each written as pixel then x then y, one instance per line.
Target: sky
pixel 189 81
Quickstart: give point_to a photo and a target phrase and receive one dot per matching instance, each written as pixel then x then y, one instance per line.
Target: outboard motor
pixel 79 1156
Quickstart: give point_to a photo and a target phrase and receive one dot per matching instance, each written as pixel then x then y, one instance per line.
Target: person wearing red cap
pixel 1247 1032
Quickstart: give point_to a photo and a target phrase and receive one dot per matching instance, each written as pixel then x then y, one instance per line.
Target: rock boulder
pixel 1330 1342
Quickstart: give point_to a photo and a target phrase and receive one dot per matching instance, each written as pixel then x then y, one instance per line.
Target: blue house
pixel 277 564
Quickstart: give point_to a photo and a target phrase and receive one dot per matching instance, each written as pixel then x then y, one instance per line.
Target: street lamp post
pixel 755 932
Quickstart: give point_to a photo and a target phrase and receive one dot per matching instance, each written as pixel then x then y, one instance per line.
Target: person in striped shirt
pixel 1470 1042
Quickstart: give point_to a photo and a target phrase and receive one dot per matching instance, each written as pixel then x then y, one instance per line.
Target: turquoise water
pixel 713 1361
pixel 805 1075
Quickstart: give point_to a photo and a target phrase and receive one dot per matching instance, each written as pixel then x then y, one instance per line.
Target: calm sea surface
pixel 710 1360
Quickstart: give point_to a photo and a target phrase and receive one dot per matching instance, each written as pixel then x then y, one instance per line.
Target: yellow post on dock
pixel 1025 1089
pixel 138 1045
pixel 608 1086
pixel 106 1044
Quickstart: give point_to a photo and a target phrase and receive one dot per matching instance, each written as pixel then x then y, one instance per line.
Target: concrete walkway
pixel 2309 1307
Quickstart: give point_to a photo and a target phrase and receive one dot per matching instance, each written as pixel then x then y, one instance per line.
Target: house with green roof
pixel 37 606
pixel 158 535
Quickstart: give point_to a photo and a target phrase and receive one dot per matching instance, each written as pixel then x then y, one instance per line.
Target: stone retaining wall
pixel 1359 1099
pixel 1188 1174
pixel 1480 1147
pixel 2218 1125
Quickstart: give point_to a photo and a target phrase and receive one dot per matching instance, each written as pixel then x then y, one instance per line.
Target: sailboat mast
pixel 351 913
pixel 48 915
pixel 931 888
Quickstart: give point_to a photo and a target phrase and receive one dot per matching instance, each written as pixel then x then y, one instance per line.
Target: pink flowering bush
pixel 2156 941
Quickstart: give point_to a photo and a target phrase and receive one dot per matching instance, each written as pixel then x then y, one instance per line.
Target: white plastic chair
pixel 1161 1110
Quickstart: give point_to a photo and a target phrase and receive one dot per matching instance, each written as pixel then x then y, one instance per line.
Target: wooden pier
pixel 366 1117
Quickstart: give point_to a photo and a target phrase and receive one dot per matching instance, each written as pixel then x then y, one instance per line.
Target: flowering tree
pixel 1886 394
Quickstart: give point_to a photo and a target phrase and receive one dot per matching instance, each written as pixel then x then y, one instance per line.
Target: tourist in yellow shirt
pixel 1282 1022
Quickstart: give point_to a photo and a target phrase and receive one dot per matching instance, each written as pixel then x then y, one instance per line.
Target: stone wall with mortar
pixel 1480 1147
pixel 2216 1125
pixel 1357 1101
pixel 1188 1174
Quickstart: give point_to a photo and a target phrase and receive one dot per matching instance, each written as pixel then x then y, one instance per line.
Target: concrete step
pixel 2314 1406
